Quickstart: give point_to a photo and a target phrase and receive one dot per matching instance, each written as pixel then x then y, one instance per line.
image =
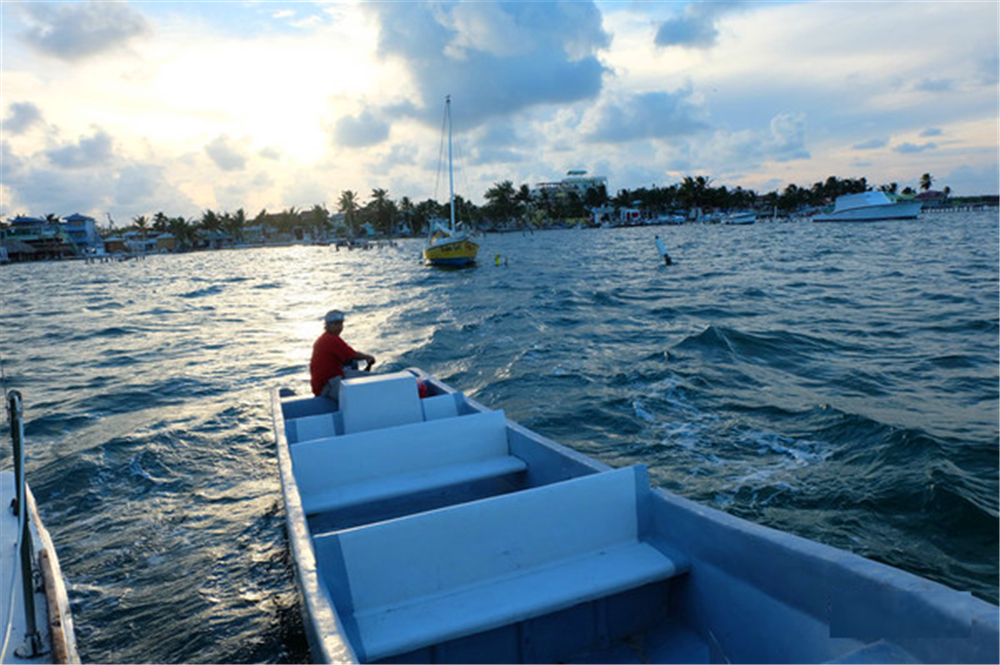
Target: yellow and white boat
pixel 447 245
pixel 447 249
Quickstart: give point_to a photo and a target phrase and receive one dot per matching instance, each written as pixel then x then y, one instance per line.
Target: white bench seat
pixel 516 597
pixel 352 469
pixel 380 489
pixel 416 581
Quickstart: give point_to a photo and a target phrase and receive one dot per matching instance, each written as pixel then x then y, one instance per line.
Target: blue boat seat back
pixel 382 400
pixel 378 464
pixel 461 570
pixel 440 406
pixel 307 406
pixel 320 426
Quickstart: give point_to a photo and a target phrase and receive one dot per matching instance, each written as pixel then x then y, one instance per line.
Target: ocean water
pixel 835 381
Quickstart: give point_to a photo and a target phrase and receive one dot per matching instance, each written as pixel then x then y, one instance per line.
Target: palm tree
pixel 926 181
pixel 210 221
pixel 141 224
pixel 319 218
pixel 693 191
pixel 406 209
pixel 348 205
pixel 160 222
pixel 234 224
pixel 382 209
pixel 182 230
pixel 502 200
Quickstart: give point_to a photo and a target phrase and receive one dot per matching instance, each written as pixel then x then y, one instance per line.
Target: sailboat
pixel 446 244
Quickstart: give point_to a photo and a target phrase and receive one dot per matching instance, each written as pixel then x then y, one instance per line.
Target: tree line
pixel 506 205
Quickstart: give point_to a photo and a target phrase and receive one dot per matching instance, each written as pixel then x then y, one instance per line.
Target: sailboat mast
pixel 451 175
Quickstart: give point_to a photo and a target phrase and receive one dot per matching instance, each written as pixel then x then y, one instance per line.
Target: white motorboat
pixel 428 528
pixel 743 218
pixel 869 207
pixel 34 608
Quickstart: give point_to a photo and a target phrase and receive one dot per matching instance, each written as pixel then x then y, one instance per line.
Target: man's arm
pixel 370 359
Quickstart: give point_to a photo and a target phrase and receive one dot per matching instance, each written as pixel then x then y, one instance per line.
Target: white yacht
pixel 869 207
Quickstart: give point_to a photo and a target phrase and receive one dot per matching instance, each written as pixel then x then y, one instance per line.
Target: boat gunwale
pixel 323 626
pixel 60 617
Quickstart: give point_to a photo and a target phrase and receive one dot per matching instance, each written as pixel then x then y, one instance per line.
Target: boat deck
pixel 435 530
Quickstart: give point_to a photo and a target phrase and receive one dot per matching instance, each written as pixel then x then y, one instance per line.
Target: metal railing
pixel 32 645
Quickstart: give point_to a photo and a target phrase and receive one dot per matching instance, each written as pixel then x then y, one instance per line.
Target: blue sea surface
pixel 838 381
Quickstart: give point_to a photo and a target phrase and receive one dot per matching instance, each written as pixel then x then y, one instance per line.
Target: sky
pixel 132 108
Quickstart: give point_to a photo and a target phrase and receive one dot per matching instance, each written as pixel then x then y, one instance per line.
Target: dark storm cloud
pixel 71 31
pixel 88 151
pixel 494 58
pixel 22 116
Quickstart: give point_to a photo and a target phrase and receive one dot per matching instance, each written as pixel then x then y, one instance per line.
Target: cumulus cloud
pixel 22 117
pixel 397 155
pixel 87 152
pixel 788 137
pixel 500 142
pixel 697 27
pixel 365 129
pixel 70 31
pixel 931 131
pixel 647 115
pixel 495 58
pixel 144 188
pixel 123 188
pixel 871 144
pixel 226 153
pixel 726 153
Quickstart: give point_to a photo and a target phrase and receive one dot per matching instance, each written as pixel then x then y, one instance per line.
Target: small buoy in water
pixel 663 251
pixel 496 258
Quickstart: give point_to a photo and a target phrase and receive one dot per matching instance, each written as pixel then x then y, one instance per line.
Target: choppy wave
pixel 836 382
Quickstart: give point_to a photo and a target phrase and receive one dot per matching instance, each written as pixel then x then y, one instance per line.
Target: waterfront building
pixel 575 181
pixel 36 238
pixel 82 232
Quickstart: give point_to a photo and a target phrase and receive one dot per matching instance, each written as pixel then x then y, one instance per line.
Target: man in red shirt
pixel 330 355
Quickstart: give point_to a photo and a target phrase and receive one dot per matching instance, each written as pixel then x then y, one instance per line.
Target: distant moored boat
pixel 869 207
pixel 447 245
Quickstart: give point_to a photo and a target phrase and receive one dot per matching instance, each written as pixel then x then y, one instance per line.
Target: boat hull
pixel 53 618
pixel 453 253
pixel 739 592
pixel 877 213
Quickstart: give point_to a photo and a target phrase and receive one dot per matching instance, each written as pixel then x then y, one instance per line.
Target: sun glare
pixel 280 97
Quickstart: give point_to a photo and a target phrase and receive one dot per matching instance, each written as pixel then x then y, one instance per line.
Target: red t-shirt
pixel 328 358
